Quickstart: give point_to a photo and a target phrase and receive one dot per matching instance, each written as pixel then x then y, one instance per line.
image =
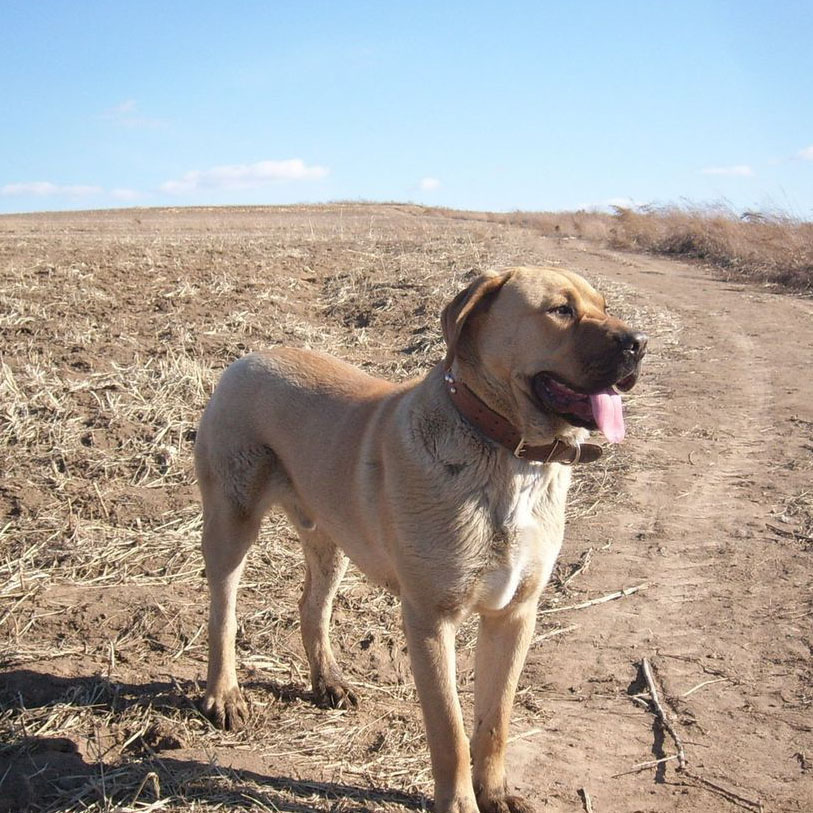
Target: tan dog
pixel 448 512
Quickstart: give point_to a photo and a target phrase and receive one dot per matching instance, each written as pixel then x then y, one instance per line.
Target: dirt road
pixel 115 326
pixel 719 457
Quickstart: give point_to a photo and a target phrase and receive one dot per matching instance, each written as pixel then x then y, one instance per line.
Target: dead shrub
pixel 766 248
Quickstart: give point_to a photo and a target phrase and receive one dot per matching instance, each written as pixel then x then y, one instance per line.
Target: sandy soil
pixel 722 450
pixel 115 326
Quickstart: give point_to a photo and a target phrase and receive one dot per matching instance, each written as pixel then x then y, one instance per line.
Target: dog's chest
pixel 516 538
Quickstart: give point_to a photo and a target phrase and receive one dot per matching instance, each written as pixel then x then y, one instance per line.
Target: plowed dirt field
pixel 115 326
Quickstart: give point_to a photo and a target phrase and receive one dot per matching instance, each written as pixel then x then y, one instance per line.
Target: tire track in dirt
pixel 712 458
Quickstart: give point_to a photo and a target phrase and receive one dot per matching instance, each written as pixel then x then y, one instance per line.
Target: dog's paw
pixel 332 693
pixel 503 803
pixel 225 710
pixel 458 806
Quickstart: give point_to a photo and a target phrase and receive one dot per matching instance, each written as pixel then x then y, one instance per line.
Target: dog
pixel 449 490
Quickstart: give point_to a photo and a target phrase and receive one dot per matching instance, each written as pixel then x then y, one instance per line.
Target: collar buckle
pixel 555 447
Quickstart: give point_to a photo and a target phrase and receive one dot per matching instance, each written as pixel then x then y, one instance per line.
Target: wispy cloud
pixel 429 184
pixel 245 176
pixel 126 114
pixel 126 194
pixel 123 109
pixel 620 203
pixel 806 153
pixel 741 170
pixel 46 189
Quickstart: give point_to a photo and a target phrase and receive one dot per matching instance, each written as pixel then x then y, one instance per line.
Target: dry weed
pixel 768 248
pixel 772 248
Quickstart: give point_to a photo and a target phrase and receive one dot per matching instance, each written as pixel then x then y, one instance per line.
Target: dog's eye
pixel 562 310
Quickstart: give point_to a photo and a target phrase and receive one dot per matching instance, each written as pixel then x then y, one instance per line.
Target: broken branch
pixel 627 591
pixel 586 801
pixel 661 713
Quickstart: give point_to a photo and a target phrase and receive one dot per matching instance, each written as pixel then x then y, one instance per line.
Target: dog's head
pixel 538 345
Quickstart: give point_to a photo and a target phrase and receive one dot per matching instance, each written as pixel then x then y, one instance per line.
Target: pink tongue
pixel 607 413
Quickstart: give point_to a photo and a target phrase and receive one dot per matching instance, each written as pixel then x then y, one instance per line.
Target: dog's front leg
pixel 430 637
pixel 502 645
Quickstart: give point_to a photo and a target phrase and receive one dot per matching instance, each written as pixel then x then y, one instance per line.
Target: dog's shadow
pixel 49 772
pixel 28 689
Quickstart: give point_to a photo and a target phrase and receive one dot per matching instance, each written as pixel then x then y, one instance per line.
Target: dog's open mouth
pixel 600 410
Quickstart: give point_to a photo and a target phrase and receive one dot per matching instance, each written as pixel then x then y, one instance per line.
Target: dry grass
pixel 796 519
pixel 766 248
pixel 115 327
pixel 771 248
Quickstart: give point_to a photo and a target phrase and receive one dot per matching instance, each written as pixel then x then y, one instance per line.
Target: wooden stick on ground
pixel 661 713
pixel 627 591
pixel 588 804
pixel 643 766
pixel 701 685
pixel 688 775
pixel 553 633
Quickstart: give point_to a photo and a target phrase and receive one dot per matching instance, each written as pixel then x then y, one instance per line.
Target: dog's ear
pixel 474 298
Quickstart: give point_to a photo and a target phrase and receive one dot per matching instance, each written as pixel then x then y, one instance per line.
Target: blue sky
pixel 511 105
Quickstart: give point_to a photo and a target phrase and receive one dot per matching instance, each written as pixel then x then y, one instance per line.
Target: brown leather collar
pixel 502 431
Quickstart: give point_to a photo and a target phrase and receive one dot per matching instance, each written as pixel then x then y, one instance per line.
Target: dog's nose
pixel 633 344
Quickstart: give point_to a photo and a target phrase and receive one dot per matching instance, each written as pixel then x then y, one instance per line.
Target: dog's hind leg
pixel 502 645
pixel 237 487
pixel 325 566
pixel 227 537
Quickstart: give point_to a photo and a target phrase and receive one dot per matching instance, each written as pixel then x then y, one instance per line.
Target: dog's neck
pixel 500 430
